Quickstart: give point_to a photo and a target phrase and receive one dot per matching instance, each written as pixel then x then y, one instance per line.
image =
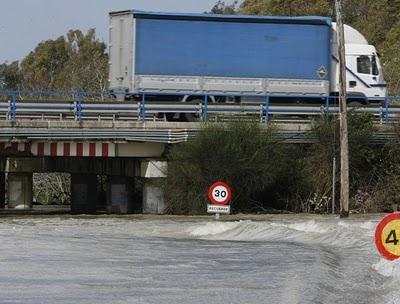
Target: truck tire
pixel 355 104
pixel 192 117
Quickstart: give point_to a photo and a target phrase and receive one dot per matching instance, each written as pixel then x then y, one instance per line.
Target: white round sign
pixel 219 193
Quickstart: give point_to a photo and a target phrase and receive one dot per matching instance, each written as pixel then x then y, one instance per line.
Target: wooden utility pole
pixel 344 140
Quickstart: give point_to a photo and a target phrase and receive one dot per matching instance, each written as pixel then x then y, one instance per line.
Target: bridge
pixel 88 135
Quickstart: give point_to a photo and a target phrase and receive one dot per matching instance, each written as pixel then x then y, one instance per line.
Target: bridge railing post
pixel 386 112
pixel 78 107
pixel 9 109
pixel 204 108
pixel 13 106
pixel 327 104
pixel 266 109
pixel 142 108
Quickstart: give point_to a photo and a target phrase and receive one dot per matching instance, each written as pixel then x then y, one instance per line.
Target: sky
pixel 25 23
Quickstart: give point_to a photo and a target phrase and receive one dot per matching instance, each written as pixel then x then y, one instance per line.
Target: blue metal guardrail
pixel 81 107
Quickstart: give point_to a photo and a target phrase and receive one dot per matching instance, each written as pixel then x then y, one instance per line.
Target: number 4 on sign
pixel 392 238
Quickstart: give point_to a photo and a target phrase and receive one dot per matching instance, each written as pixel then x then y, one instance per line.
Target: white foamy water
pixel 282 259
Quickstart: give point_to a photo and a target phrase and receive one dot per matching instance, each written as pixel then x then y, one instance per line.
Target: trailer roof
pixel 312 20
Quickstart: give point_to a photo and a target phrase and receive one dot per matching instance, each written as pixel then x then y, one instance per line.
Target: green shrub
pixel 245 155
pixel 364 157
pixel 267 174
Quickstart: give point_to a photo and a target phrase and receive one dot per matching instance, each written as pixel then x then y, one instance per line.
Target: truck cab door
pixel 364 75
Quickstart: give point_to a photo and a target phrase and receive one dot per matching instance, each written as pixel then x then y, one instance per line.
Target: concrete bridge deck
pixel 154 134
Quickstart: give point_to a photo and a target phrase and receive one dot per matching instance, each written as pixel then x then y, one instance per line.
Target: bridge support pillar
pixel 153 197
pixel 83 193
pixel 120 191
pixel 153 172
pixel 19 190
pixel 2 190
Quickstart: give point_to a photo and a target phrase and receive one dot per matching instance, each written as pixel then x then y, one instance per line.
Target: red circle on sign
pixel 219 185
pixel 378 235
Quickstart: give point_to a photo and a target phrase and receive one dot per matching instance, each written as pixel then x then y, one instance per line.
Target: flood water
pixel 280 259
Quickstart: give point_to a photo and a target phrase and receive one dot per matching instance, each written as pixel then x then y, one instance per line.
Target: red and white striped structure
pixel 73 149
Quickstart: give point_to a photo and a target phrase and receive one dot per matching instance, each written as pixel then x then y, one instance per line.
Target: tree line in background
pixel 76 61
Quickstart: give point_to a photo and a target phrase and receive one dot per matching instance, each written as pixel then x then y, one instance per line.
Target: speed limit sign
pixel 219 193
pixel 387 236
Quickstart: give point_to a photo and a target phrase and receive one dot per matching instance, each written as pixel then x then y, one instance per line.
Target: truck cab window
pixel 375 70
pixel 364 65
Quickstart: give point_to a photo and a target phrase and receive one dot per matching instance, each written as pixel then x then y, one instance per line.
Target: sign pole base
pixel 217 216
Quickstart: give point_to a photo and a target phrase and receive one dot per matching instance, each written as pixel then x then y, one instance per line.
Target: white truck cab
pixel 364 75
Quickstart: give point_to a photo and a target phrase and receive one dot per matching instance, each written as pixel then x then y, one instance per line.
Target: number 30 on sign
pixel 219 193
pixel 387 236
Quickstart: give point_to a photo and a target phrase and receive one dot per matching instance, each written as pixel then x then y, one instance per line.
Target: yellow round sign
pixel 387 236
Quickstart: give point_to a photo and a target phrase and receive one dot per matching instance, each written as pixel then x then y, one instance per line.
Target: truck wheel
pixel 192 117
pixel 355 104
pixel 169 116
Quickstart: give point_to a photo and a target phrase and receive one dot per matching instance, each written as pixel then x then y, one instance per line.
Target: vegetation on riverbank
pixel 244 155
pixel 266 174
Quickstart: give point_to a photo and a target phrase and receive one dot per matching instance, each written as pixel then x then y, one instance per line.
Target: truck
pixel 239 58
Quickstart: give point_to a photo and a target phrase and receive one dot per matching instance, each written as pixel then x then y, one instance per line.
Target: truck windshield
pixel 364 65
pixel 367 65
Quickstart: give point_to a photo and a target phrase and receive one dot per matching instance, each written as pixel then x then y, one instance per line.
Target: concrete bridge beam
pixel 19 190
pixel 22 164
pixel 120 194
pixel 83 193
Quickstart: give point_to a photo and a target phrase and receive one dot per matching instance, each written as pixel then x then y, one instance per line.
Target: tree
pixel 221 8
pixel 78 62
pixel 10 75
pixel 52 188
pixel 391 59
pixel 372 18
pixel 42 67
pixel 87 66
pixel 286 7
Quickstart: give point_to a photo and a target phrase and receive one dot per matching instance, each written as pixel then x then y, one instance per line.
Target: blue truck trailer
pixel 185 57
